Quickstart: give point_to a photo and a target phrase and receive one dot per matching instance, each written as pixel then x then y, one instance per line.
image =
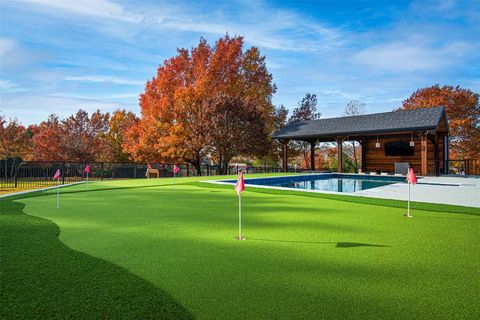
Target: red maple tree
pixel 463 112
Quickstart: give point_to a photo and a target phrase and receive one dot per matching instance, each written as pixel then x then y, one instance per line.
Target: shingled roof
pixel 401 120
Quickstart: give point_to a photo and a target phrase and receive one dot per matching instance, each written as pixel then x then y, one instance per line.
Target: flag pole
pixel 239 187
pixel 58 194
pixel 240 217
pixel 408 206
pixel 174 176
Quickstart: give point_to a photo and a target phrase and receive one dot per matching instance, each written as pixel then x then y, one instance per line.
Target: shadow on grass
pixel 44 279
pixel 337 244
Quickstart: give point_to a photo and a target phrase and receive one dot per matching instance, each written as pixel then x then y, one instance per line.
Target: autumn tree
pixel 15 140
pixel 280 120
pixel 236 126
pixel 306 110
pixel 118 124
pixel 239 78
pixel 463 112
pixel 174 121
pixel 82 137
pixel 353 108
pixel 47 143
pixel 281 117
pixel 180 105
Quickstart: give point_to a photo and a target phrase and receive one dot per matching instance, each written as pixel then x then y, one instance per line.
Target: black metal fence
pixel 25 174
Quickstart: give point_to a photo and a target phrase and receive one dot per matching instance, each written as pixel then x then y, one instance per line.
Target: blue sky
pixel 58 56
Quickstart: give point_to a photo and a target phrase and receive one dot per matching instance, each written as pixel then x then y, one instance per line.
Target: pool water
pixel 333 184
pixel 327 182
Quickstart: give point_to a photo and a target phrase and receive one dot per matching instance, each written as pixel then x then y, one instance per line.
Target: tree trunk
pixel 355 156
pixel 196 163
pixel 223 167
pixel 198 167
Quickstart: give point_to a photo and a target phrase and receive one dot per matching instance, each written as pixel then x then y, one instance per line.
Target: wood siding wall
pixel 376 160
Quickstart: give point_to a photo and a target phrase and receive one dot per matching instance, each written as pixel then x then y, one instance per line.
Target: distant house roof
pixel 395 121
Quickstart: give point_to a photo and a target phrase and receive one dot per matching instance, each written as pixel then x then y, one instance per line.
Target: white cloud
pixel 106 79
pixel 102 97
pixel 263 26
pixel 92 8
pixel 409 56
pixel 31 109
pixel 124 95
pixel 12 55
pixel 7 45
pixel 9 87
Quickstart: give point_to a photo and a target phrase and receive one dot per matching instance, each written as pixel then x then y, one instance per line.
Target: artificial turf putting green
pixel 141 249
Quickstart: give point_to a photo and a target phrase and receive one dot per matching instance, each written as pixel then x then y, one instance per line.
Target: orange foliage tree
pixel 82 136
pixel 15 140
pixel 463 112
pixel 120 121
pixel 46 140
pixel 189 108
pixel 79 137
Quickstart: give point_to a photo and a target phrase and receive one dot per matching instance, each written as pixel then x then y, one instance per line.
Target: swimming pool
pixel 325 182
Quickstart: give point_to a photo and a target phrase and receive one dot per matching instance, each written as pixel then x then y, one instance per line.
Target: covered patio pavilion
pixel 418 137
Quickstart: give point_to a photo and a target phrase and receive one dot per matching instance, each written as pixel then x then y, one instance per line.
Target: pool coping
pixel 306 190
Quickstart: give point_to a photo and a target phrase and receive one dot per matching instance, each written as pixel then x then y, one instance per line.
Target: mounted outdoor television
pixel 398 148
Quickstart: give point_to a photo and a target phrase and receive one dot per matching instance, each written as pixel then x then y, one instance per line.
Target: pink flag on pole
pixel 411 177
pixel 149 166
pixel 175 168
pixel 240 185
pixel 57 175
pixel 87 169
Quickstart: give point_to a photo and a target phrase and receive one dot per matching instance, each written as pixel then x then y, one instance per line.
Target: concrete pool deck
pixel 458 191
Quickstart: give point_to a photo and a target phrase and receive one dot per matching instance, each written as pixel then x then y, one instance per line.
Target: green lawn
pixel 143 250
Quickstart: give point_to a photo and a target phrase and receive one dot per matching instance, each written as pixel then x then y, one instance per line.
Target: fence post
pixel 101 171
pixel 63 172
pixel 134 171
pixel 16 178
pixel 208 169
pixel 188 170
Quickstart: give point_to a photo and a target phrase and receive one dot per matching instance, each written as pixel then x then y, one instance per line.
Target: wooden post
pixel 363 145
pixel 340 155
pixel 424 154
pixel 446 154
pixel 63 172
pixel 435 152
pixel 312 156
pixel 285 156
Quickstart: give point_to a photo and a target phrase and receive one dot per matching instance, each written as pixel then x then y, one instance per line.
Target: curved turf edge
pixel 41 278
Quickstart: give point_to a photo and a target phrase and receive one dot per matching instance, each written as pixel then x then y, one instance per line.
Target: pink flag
pixel 175 168
pixel 149 166
pixel 87 169
pixel 57 175
pixel 240 185
pixel 411 177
